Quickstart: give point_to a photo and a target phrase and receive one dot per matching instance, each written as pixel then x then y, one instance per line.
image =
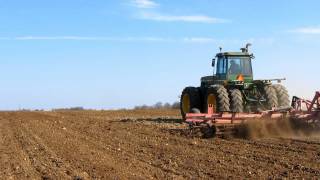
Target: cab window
pixel 238 65
pixel 221 66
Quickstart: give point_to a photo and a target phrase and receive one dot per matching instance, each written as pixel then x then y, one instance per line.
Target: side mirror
pixel 213 62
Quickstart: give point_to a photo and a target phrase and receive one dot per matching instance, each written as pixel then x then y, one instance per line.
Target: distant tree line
pixel 69 109
pixel 160 105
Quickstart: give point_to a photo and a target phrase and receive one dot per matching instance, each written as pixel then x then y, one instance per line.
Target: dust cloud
pixel 284 128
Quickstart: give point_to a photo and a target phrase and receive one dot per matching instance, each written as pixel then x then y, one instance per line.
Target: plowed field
pixel 140 145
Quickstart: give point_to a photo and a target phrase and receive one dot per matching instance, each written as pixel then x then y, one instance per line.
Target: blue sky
pixel 122 53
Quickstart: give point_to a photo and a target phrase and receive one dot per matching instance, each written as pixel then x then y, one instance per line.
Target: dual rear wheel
pixel 282 95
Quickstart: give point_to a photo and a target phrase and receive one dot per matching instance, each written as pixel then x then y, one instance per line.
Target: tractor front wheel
pixel 218 97
pixel 190 100
pixel 236 101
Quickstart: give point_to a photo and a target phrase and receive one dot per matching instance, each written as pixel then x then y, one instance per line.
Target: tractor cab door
pixel 221 72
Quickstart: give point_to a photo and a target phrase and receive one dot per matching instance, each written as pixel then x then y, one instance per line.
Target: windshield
pixel 239 65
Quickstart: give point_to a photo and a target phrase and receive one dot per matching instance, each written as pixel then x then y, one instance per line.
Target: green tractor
pixel 232 88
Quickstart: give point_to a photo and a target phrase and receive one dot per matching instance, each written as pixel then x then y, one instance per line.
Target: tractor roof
pixel 233 54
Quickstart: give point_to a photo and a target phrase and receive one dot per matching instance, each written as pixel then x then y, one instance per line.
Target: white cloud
pixel 261 40
pixel 151 39
pixel 199 40
pixel 88 38
pixel 116 39
pixel 307 30
pixel 55 38
pixel 151 15
pixel 154 39
pixel 209 40
pixel 184 18
pixel 144 4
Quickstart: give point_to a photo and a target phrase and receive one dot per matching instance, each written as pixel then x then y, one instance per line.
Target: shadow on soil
pixel 155 120
pixel 175 126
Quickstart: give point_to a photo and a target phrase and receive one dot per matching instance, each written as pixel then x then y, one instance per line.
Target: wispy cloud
pixel 87 38
pixel 184 18
pixel 153 15
pixel 262 40
pixel 307 30
pixel 199 40
pixel 56 38
pixel 210 40
pixel 145 39
pixel 149 39
pixel 144 4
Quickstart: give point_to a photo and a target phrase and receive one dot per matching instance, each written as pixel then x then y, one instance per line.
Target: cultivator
pixel 302 112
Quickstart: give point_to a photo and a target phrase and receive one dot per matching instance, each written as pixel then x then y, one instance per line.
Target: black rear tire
pixel 282 94
pixel 271 97
pixel 221 102
pixel 190 99
pixel 236 101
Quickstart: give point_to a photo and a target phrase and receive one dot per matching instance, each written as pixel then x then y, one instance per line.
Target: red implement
pixel 302 110
pixel 305 110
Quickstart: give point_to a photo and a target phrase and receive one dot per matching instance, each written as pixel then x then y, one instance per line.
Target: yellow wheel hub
pixel 212 100
pixel 186 103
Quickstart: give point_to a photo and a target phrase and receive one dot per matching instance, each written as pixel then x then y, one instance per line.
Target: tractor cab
pixel 234 66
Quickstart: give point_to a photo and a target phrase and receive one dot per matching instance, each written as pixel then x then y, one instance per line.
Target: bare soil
pixel 141 144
